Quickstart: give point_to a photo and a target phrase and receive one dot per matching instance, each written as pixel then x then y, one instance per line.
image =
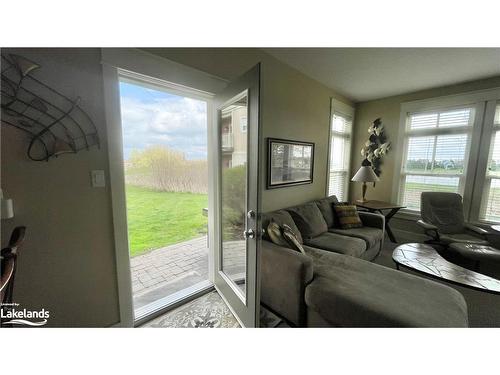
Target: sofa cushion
pixel 338 244
pixel 351 292
pixel 309 220
pixel 280 217
pixel 325 205
pixel 369 234
pixel 348 216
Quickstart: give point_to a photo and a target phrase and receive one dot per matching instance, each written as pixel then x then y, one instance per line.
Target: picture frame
pixel 289 163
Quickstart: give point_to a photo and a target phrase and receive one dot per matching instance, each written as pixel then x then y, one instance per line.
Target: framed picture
pixel 289 163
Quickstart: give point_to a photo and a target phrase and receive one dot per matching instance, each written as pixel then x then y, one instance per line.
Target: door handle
pixel 250 233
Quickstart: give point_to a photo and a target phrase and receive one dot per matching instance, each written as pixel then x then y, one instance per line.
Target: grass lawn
pixel 157 219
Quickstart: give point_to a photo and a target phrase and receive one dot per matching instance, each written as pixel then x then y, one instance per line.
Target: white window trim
pixel 337 106
pixel 480 178
pixel 476 99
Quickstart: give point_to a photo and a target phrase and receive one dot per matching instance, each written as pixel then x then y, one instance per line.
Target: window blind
pixel 340 146
pixel 436 153
pixel 491 196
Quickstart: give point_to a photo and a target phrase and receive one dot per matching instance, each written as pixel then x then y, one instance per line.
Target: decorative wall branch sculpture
pixel 375 147
pixel 56 124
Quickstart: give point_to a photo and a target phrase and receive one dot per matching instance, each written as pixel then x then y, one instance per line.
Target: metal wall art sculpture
pixel 55 123
pixel 375 147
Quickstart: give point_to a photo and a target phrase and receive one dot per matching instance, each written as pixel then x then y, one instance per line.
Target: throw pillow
pixel 348 216
pixel 280 217
pixel 292 240
pixel 276 234
pixel 336 222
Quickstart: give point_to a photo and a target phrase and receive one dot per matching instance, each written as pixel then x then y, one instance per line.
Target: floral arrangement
pixel 375 147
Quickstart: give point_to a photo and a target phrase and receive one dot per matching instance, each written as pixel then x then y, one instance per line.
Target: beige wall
pixel 293 106
pixel 67 263
pixel 388 109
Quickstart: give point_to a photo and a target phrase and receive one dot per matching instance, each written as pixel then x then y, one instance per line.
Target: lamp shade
pixel 365 174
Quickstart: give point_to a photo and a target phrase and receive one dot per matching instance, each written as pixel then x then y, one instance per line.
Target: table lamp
pixel 365 174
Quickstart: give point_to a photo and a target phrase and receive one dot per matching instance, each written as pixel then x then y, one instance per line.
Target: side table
pixel 380 207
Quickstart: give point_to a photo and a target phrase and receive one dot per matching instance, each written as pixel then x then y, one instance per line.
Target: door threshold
pixel 165 304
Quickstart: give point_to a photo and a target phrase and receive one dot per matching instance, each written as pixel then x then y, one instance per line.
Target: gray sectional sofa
pixel 336 285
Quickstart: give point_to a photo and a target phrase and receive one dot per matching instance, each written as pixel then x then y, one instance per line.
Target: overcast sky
pixel 151 117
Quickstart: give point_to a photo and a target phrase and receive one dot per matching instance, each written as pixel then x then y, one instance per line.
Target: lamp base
pixel 361 200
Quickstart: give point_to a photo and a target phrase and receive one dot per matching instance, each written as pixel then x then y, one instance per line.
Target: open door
pixel 237 234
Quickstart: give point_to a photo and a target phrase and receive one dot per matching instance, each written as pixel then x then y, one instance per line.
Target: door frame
pixel 185 80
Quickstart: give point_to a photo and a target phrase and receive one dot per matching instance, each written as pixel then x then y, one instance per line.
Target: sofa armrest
pixel 285 273
pixel 370 219
pixel 429 229
pixel 476 229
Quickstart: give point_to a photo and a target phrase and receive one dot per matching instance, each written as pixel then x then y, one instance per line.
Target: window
pixel 490 209
pixel 436 155
pixel 452 144
pixel 243 124
pixel 340 150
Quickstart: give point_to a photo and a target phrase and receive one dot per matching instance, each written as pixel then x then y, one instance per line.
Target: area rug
pixel 209 311
pixel 269 319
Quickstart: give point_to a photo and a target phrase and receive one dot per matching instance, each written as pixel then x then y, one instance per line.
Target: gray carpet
pixel 484 308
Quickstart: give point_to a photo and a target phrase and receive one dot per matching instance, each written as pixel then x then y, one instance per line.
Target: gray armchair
pixel 443 220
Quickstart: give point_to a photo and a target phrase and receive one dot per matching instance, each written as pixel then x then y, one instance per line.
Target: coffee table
pixel 425 259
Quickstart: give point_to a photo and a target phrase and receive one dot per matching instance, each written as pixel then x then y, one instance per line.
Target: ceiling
pixel 363 74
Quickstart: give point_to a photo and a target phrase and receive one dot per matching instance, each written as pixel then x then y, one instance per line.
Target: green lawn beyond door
pixel 157 219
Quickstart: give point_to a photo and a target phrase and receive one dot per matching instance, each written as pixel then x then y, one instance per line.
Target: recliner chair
pixel 443 220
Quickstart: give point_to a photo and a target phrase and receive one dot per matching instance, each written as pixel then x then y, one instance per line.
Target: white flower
pixel 385 147
pixel 368 143
pixel 370 129
pixel 379 130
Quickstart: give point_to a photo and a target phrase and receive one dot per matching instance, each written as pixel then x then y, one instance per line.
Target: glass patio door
pixel 237 237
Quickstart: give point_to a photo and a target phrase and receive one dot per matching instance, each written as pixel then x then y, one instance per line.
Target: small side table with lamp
pixel 366 174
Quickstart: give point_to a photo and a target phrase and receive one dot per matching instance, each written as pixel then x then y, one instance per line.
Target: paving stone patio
pixel 161 272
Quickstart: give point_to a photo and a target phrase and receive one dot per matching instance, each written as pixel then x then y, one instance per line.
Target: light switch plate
pixel 98 178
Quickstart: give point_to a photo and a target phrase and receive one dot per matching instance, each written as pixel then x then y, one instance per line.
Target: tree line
pixel 163 169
